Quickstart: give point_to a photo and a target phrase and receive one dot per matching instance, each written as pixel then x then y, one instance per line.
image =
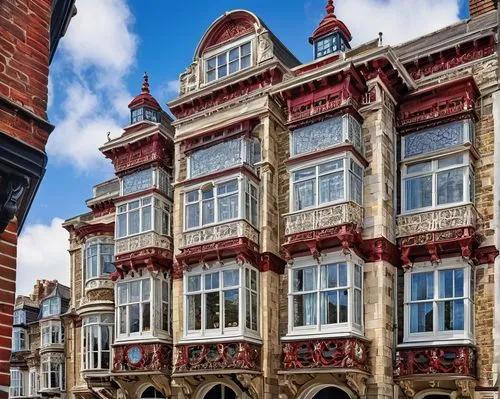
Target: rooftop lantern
pixel 144 107
pixel 331 36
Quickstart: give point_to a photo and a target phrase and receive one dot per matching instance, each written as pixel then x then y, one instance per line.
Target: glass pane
pixel 122 225
pixel 146 317
pixel 192 216
pixel 418 192
pixel 194 283
pixel 133 222
pixel 422 286
pixel 253 280
pixel 208 212
pixel 304 174
pixel 419 167
pixel 331 187
pixel 146 289
pixel 221 59
pixel 343 305
pixel 234 54
pixel 192 196
pixel 450 186
pixel 330 166
pixel 304 279
pixel 329 276
pixel 194 312
pixel 421 317
pixel 231 304
pixel 450 161
pixel 123 319
pixel 356 189
pixel 212 281
pixel 222 71
pixel 212 310
pixel 245 62
pixel 228 207
pixel 245 49
pixel 234 66
pixel 451 315
pixel 358 307
pixel 304 310
pixel 211 63
pixel 317 136
pixel 254 312
pixel 433 139
pixel 229 187
pixel 134 311
pixel 146 218
pixel 329 307
pixel 134 291
pixel 304 194
pixel 446 284
pixel 231 278
pixel 342 274
pixel 122 293
pixel 216 157
pixel 211 75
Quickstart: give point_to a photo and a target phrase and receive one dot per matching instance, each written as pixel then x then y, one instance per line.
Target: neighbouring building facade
pixel 317 230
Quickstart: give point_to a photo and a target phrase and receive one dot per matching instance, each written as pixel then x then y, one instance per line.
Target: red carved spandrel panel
pixel 155 357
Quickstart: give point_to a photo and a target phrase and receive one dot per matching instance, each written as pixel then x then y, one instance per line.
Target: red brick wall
pixel 24 66
pixel 8 253
pixel 478 7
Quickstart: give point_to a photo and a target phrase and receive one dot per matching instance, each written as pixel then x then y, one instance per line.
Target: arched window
pixel 151 393
pixel 220 392
pixel 331 392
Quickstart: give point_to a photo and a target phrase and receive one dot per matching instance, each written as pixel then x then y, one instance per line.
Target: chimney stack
pixel 478 7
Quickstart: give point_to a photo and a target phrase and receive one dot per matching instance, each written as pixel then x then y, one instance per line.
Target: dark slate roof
pixel 64 293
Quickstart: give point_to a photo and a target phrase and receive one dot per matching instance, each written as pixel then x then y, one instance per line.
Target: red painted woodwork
pixel 272 262
pixel 145 98
pixel 449 101
pixel 328 151
pixel 451 58
pixel 154 259
pixel 383 69
pixel 381 249
pixel 329 24
pixel 103 208
pixel 344 353
pixel 84 230
pixel 228 92
pixel 456 360
pixel 154 149
pixel 319 63
pixel 485 255
pixel 230 27
pixel 218 356
pixel 155 357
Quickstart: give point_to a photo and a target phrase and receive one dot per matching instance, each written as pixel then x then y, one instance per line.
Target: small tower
pixel 144 107
pixel 331 36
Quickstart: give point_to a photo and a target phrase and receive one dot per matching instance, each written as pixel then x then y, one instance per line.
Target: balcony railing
pixel 140 241
pixel 239 228
pixel 217 356
pixel 330 216
pixel 443 219
pixel 457 360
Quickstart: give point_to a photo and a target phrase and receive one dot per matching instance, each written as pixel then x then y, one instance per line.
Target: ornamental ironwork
pixel 345 353
pixel 141 241
pixel 220 232
pixel 443 219
pixel 218 356
pixel 314 219
pixel 216 157
pixel 459 360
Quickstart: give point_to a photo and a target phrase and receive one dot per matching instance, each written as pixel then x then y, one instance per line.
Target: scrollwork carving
pixel 265 48
pixel 189 79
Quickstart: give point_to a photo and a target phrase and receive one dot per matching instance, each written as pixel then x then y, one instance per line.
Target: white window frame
pixel 222 332
pixel 20 340
pixel 19 317
pixel 49 307
pixel 46 372
pixel 226 49
pixel 465 336
pixel 99 242
pixel 17 383
pixel 318 329
pixel 159 208
pixel 156 301
pixel 347 158
pixel 243 183
pixel 91 324
pixel 49 329
pixel 468 176
pixel 34 382
pixel 159 177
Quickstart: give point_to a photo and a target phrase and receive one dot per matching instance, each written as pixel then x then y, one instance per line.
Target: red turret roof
pixel 145 98
pixel 329 24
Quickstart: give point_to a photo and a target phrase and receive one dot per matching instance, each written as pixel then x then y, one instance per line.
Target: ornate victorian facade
pixel 300 230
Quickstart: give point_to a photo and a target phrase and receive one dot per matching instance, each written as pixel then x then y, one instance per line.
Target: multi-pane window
pixel 147 114
pixel 326 183
pixel 325 46
pixel 97 340
pixel 98 258
pixel 220 202
pixel 437 182
pixel 53 371
pixel 228 62
pixel 19 317
pixel 19 339
pixel 51 307
pixel 52 332
pixel 221 301
pixel 143 215
pixel 326 297
pixel 137 301
pixel 16 383
pixel 439 302
pixel 34 381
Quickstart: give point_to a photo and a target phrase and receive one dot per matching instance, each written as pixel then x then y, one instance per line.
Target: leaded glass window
pixel 138 181
pixel 217 157
pixel 437 138
pixel 330 132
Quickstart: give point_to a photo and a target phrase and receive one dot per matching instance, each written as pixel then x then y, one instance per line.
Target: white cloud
pixel 98 52
pixel 398 20
pixel 42 252
pixel 168 90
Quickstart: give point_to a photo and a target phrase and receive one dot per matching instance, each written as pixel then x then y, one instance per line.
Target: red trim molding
pixel 83 230
pixel 485 255
pixel 381 249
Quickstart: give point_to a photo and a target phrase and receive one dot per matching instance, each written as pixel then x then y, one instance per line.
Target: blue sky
pixel 98 69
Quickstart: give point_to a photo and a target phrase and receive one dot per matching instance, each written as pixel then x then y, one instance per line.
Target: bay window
pixel 19 339
pixel 52 332
pixel 326 297
pixel 19 317
pixel 51 307
pixel 99 257
pixel 53 372
pixel 439 301
pixel 336 180
pixel 438 182
pixel 34 380
pixel 97 339
pixel 228 62
pixel 221 202
pixel 146 179
pixel 143 308
pixel 143 215
pixel 17 383
pixel 221 301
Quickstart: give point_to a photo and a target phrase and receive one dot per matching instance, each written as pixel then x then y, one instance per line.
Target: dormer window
pixel 144 114
pixel 329 44
pixel 51 307
pixel 19 317
pixel 227 62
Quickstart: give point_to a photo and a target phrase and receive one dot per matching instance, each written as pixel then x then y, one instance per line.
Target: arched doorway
pixel 331 393
pixel 151 393
pixel 220 392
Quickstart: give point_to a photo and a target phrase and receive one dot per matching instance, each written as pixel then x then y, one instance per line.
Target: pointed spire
pixel 330 8
pixel 145 83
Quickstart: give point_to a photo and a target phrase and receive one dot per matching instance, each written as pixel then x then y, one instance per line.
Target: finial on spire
pixel 145 83
pixel 330 8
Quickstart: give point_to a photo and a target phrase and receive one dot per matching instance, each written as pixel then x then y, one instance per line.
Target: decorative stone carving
pixel 408 387
pixel 357 382
pixel 247 381
pixel 265 48
pixel 224 231
pixel 315 219
pixel 97 284
pixel 189 79
pixel 153 357
pixel 99 295
pixel 465 388
pixel 145 240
